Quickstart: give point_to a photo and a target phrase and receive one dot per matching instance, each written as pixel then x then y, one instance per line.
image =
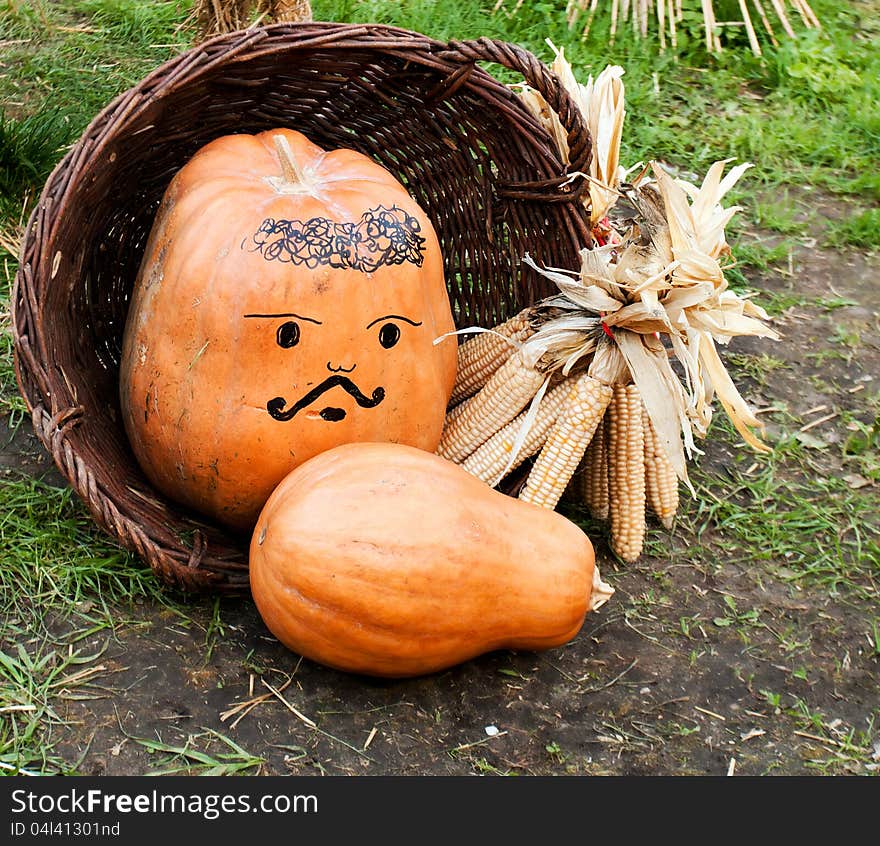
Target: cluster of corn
pixel 625 471
pixel 582 381
pixel 588 432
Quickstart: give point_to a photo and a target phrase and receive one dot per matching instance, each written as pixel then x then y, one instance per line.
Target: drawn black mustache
pixel 275 407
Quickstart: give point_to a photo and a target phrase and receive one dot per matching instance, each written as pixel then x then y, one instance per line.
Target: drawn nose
pixel 340 369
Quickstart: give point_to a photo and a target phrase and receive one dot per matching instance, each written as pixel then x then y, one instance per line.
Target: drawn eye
pixel 287 335
pixel 389 335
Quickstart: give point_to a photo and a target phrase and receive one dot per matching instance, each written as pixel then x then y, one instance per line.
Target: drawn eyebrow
pixel 394 317
pixel 287 314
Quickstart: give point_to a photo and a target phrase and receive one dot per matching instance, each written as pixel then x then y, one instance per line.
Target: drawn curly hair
pixel 381 237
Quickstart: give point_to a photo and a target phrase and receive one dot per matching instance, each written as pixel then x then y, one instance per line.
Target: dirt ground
pixel 709 664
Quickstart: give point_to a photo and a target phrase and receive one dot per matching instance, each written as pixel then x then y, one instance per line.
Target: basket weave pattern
pixel 485 172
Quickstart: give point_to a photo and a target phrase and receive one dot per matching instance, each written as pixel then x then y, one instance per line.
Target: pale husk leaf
pixel 724 325
pixel 524 429
pixel 608 365
pixel 541 110
pixel 640 317
pixel 601 102
pixel 676 300
pixel 739 412
pixel 596 267
pixel 605 116
pixel 659 394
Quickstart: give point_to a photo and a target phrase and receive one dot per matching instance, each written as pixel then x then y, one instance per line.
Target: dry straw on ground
pixel 666 17
pixel 214 17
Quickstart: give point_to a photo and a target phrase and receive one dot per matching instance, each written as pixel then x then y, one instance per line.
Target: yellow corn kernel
pixel 568 439
pixel 455 411
pixel 497 403
pixel 489 461
pixel 626 472
pixel 479 357
pixel 661 483
pixel 594 473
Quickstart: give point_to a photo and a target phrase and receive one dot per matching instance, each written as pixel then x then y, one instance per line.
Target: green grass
pixel 861 449
pixel 834 747
pixel 36 676
pixel 29 148
pixel 860 230
pixel 786 511
pixel 56 560
pixel 756 367
pixel 11 401
pixel 780 215
pixel 805 113
pixel 229 759
pixel 62 583
pixel 757 256
pixel 78 55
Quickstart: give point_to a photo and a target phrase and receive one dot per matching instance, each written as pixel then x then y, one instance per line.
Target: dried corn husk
pixel 652 290
pixel 605 115
pixel 602 104
pixel 664 293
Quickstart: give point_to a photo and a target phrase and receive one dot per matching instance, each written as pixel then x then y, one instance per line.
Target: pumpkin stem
pixel 289 166
pixel 294 179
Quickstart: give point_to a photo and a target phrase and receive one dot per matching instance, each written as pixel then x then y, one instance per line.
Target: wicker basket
pixel 483 169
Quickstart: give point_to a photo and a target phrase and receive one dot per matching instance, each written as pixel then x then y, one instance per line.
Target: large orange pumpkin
pixel 287 302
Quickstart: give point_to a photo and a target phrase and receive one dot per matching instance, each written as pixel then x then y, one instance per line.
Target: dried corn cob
pixel 497 403
pixel 480 356
pixel 456 411
pixel 661 483
pixel 568 439
pixel 489 461
pixel 626 472
pixel 594 473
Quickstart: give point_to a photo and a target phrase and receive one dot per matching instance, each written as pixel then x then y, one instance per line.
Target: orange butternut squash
pixel 386 560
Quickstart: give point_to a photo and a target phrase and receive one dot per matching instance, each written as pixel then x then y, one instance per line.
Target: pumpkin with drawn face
pixel 288 302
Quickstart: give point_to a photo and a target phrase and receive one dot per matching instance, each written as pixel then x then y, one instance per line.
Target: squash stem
pixel 292 173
